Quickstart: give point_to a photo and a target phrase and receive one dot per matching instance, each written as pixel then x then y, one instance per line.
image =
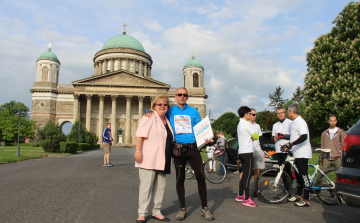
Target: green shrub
pixel 51 136
pixel 85 136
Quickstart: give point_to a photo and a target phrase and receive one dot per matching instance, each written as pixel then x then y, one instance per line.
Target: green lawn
pixel 8 154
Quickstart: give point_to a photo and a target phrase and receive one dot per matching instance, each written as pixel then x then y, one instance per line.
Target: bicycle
pixel 213 164
pixel 270 184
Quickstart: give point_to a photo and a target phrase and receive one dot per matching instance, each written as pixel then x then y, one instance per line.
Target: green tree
pixel 275 98
pixel 227 123
pixel 9 121
pixel 50 137
pixel 85 136
pixel 332 81
pixel 266 119
pixel 298 95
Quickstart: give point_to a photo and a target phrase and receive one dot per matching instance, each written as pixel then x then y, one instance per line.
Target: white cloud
pixel 152 24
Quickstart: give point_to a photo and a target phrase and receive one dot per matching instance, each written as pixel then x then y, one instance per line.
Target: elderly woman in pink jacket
pixel 154 139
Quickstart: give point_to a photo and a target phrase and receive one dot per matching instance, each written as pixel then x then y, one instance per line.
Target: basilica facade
pixel 118 91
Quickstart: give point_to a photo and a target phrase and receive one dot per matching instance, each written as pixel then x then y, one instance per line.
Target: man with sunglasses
pixel 258 155
pixel 183 118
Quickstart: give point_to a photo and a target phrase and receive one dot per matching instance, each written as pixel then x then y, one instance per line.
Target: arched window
pixel 45 74
pixel 41 126
pixel 195 80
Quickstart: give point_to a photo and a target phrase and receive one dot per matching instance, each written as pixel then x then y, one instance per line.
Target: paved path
pixel 78 188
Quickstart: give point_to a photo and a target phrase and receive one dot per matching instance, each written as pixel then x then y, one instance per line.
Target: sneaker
pixel 206 213
pixel 302 203
pixel 236 172
pixel 249 203
pixel 109 164
pixel 294 198
pixel 239 198
pixel 181 215
pixel 105 164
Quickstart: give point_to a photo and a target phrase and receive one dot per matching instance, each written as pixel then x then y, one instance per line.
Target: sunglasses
pixel 254 114
pixel 185 95
pixel 162 104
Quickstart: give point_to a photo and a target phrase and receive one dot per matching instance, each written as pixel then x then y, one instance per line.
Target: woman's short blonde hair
pixel 158 98
pixel 217 132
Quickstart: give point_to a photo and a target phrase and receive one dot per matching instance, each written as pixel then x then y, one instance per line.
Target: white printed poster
pixel 182 124
pixel 203 132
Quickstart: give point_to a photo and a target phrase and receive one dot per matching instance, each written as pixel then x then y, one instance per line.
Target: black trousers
pixel 302 177
pixel 247 161
pixel 194 158
pixel 287 169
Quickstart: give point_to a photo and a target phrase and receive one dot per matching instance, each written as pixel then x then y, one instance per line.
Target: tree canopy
pixel 227 123
pixel 332 80
pixel 276 99
pixel 85 136
pixel 9 121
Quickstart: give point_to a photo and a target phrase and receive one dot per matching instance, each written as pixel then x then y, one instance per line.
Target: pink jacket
pixel 154 133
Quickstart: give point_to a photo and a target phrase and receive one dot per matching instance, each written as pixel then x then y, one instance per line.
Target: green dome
pixel 123 41
pixel 48 55
pixel 193 63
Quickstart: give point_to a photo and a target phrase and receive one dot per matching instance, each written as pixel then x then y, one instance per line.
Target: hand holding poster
pixel 203 132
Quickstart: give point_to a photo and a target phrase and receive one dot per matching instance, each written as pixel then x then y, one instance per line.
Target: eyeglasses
pixel 162 104
pixel 254 114
pixel 185 95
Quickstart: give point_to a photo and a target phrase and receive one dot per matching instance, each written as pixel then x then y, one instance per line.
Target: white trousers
pixel 152 184
pixel 210 154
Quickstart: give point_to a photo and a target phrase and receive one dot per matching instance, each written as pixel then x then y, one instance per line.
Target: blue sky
pixel 247 48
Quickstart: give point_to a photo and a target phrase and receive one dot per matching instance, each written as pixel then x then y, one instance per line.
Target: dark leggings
pixel 302 178
pixel 193 157
pixel 287 169
pixel 247 166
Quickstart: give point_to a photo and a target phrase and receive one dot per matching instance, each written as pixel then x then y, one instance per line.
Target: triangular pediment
pixel 121 78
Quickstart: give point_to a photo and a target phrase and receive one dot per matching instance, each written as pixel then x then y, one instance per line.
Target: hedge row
pixel 73 147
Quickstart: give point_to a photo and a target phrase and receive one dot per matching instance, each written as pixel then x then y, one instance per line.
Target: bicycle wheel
pixel 214 176
pixel 189 173
pixel 326 193
pixel 268 190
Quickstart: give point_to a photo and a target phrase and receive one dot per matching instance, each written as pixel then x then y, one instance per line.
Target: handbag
pixel 176 152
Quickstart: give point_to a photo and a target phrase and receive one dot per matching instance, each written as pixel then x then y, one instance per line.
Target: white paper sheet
pixel 203 132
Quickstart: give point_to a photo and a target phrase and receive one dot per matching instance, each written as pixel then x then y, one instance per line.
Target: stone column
pixel 119 63
pixel 101 117
pixel 145 70
pixel 113 118
pixel 140 67
pixel 149 74
pixel 76 107
pixel 141 106
pixel 133 66
pixel 88 112
pixel 95 68
pixel 104 66
pixel 100 67
pixel 126 64
pixel 128 121
pixel 111 61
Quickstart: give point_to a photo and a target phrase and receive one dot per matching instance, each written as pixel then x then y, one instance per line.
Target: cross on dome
pixel 124 32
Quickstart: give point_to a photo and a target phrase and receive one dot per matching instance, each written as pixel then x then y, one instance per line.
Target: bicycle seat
pixel 323 150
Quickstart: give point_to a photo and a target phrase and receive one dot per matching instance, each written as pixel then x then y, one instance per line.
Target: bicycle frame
pixel 291 160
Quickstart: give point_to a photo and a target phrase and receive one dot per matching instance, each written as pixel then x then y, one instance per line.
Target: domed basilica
pixel 118 91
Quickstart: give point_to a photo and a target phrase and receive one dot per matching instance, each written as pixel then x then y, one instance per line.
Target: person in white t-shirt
pixel 246 135
pixel 259 160
pixel 281 135
pixel 300 147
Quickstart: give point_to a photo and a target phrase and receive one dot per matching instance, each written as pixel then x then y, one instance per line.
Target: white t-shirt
pixel 332 132
pixel 256 143
pixel 298 128
pixel 245 130
pixel 283 128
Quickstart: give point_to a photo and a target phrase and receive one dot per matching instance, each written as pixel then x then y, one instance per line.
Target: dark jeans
pixel 193 157
pixel 222 159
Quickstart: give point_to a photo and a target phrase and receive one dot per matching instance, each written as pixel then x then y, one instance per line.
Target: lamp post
pixel 18 146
